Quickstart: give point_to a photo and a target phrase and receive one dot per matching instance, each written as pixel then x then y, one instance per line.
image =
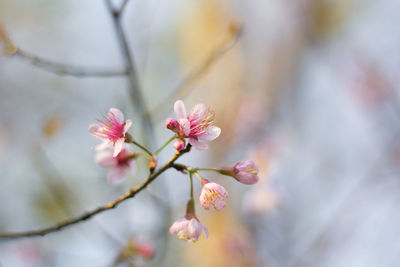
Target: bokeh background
pixel 309 91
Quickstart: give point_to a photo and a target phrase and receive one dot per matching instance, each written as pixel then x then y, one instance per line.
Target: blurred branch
pixel 68 70
pixel 122 7
pixel 111 205
pixel 201 69
pixel 134 87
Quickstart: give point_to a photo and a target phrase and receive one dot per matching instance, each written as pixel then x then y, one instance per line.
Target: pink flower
pixel 246 172
pixel 197 126
pixel 188 229
pixel 119 166
pixel 112 130
pixel 213 195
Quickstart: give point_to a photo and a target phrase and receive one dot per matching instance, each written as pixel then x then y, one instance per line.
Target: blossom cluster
pixel 193 129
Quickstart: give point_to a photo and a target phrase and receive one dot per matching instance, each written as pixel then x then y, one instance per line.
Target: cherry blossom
pixel 119 166
pixel 112 130
pixel 212 195
pixel 197 126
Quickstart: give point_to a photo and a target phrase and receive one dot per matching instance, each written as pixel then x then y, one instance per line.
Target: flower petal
pixel 118 146
pixel 127 125
pixel 205 230
pixel 197 144
pixel 185 126
pixel 212 133
pixel 106 144
pixel 106 160
pixel 114 112
pixel 93 130
pixel 194 229
pixel 198 111
pixel 116 175
pixel 177 226
pixel 179 108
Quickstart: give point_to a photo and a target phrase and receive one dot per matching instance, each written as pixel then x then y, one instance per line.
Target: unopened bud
pixel 146 251
pixel 153 164
pixel 172 124
pixel 179 144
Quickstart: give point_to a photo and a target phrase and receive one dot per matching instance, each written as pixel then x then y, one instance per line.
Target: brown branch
pixel 134 87
pixel 195 74
pixel 67 70
pixel 111 205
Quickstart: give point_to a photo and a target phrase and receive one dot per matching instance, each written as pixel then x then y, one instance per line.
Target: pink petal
pixel 93 128
pixel 205 230
pixel 197 144
pixel 198 111
pixel 118 146
pixel 185 125
pixel 106 160
pixel 116 175
pixel 194 229
pixel 177 226
pixel 117 114
pixel 179 109
pixel 128 124
pixel 106 144
pixel 212 133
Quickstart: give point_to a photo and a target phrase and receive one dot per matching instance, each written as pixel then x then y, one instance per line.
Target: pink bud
pixel 245 172
pixel 179 144
pixel 145 250
pixel 172 124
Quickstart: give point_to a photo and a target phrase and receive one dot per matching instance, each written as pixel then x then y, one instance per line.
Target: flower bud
pixel 245 172
pixel 146 251
pixel 179 144
pixel 172 124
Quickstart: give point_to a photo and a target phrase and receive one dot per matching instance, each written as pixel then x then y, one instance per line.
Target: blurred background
pixel 308 89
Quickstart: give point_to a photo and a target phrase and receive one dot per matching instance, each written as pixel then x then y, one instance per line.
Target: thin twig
pixel 68 70
pixel 134 87
pixel 87 215
pixel 195 74
pixel 122 7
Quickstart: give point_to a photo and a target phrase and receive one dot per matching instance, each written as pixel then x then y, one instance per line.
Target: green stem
pixel 191 185
pixel 141 147
pixel 208 169
pixel 198 175
pixel 161 148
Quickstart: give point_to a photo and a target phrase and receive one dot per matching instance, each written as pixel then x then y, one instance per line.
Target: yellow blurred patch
pixel 6 46
pixel 52 126
pixel 228 244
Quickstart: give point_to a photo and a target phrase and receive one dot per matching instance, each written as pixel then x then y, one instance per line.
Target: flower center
pixel 199 124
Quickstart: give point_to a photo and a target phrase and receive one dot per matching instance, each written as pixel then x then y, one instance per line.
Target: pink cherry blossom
pixel 112 130
pixel 119 166
pixel 246 172
pixel 188 229
pixel 197 126
pixel 212 195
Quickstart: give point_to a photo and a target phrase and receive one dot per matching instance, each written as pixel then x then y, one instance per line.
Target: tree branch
pixel 111 205
pixel 68 70
pixel 196 73
pixel 134 87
